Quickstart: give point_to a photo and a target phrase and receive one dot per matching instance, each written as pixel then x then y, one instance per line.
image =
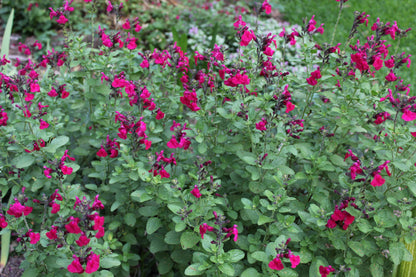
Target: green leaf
pixel 412 187
pixel 376 270
pixel 193 270
pixel 109 262
pixel 189 239
pixel 399 252
pixel 5 45
pixel 153 224
pixel 259 256
pixel 264 219
pixel 165 265
pixel 56 143
pixel 140 196
pixel 357 247
pixel 172 237
pixel 250 272
pixel 227 269
pixel 24 160
pixel 247 157
pixel 130 219
pixel 235 255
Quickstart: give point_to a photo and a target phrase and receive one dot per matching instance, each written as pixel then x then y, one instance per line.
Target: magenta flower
pixel 276 264
pixel 62 20
pixel 72 227
pixel 294 260
pixel 83 240
pixel 66 170
pixel 75 266
pixel 378 181
pixel 93 263
pixel 34 237
pixel 266 7
pixel 261 125
pixel 43 124
pixel 52 234
pixel 195 192
pixel 17 209
pixel 126 25
pixel 314 76
pixel 55 208
pixel 204 228
pixel 408 115
pixel 289 107
pixel 247 37
pixel 391 77
pixel 102 153
pixel 109 6
pixel 325 271
pixel 3 222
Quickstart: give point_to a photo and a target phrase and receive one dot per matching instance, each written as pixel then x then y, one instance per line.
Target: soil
pixel 12 267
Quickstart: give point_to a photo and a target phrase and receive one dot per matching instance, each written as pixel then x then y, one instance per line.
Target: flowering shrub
pixel 285 157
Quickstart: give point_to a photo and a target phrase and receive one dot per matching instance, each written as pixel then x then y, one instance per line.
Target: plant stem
pixel 336 24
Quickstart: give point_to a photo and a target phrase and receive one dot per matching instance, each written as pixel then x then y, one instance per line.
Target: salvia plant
pixel 273 156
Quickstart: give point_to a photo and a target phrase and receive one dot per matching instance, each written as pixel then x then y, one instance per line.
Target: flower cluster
pixel 315 75
pixel 60 167
pixel 284 252
pixel 161 162
pixel 179 140
pixel 340 217
pixel 129 126
pixel 222 233
pixel 62 12
pixel 110 147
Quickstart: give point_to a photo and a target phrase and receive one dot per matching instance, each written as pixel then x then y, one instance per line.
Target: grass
pixel 326 11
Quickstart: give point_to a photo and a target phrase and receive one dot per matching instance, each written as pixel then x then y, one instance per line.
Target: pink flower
pixel 55 208
pixel 391 77
pixel 17 209
pixel 62 20
pixel 378 181
pixel 247 37
pixel 276 264
pixel 266 7
pixel 195 192
pixel 3 222
pixel 159 115
pixel 75 266
pixel 83 240
pixel 66 170
pixel 34 237
pixel 204 228
pixel 72 227
pixel 98 222
pixel 289 107
pixel 100 233
pixel 47 172
pixel 109 7
pixel 52 233
pixel 52 92
pixel 34 87
pixel 294 260
pixel 102 153
pixel 325 271
pixel 378 63
pixel 93 263
pixel 126 25
pixel 261 125
pixel 43 124
pixel 408 115
pixel 268 51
